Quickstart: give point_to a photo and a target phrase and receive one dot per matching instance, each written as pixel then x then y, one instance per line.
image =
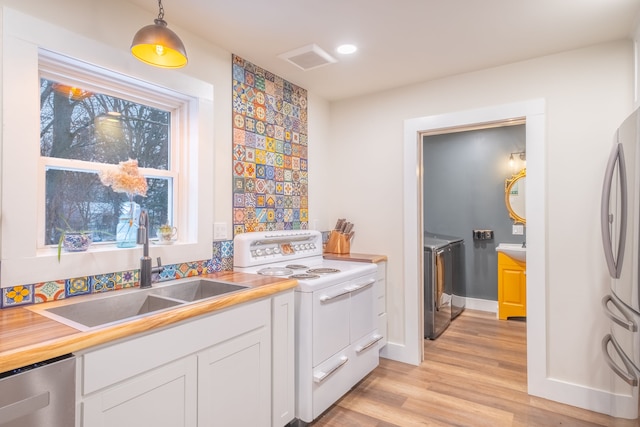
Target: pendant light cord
pixel 160 11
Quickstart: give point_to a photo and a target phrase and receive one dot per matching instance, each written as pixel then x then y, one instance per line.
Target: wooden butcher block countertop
pixel 355 257
pixel 27 337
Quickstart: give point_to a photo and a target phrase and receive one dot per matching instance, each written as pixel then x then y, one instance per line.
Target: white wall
pixel 587 93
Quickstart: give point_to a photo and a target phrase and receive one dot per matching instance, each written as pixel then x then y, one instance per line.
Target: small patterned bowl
pixel 76 242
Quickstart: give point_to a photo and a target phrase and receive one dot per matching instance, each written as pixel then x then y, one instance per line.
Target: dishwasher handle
pixel 23 407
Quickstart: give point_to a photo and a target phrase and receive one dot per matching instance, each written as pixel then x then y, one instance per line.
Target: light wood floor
pixel 475 374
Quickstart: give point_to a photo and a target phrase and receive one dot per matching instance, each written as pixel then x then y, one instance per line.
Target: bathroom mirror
pixel 514 196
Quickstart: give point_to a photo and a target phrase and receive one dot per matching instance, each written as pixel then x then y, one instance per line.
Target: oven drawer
pixel 331 380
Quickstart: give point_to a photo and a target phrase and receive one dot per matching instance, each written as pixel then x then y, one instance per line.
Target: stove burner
pixel 304 276
pixel 275 271
pixel 323 270
pixel 297 266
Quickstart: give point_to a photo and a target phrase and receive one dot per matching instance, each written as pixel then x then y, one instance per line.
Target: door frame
pixel 533 111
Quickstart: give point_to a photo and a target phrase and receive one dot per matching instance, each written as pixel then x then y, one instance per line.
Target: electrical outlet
pixel 219 231
pixel 518 230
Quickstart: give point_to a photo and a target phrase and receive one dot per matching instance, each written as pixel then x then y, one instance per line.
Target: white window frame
pixel 74 73
pixel 26 41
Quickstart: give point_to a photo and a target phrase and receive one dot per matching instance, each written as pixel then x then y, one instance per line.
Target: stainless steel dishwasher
pixel 39 395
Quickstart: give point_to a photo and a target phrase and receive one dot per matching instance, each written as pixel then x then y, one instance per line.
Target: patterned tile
pixel 77 286
pixel 17 295
pixel 49 291
pixel 127 279
pixel 103 282
pixel 272 113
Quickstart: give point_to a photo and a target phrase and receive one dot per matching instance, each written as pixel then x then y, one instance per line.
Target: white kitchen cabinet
pixel 163 397
pixel 214 370
pixel 234 381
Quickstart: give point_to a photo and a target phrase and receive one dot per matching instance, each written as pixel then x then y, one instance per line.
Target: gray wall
pixel 463 186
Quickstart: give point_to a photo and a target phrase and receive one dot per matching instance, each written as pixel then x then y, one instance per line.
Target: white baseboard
pixel 482 305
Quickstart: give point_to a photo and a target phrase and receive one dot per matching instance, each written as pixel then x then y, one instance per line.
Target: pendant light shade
pixel 157 45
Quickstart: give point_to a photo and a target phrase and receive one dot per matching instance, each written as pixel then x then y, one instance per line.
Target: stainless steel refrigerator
pixel 620 228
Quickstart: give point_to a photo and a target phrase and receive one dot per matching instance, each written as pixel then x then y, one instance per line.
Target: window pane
pixel 78 124
pixel 77 200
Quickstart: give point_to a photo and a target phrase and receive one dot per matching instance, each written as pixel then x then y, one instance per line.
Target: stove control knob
pixel 268 251
pixel 296 247
pixel 276 250
pixel 258 252
pixel 313 245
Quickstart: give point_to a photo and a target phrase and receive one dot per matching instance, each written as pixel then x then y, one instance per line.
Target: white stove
pixel 294 254
pixel 335 314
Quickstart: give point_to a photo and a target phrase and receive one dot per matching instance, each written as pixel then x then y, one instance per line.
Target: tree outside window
pixel 81 133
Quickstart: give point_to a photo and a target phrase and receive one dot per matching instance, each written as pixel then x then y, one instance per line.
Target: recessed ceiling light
pixel 346 49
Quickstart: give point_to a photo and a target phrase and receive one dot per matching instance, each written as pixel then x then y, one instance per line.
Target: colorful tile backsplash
pixel 221 260
pixel 270 178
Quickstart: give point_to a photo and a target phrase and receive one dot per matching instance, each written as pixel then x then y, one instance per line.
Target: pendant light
pixel 157 45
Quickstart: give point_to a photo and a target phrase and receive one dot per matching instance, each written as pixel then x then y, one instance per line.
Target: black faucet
pixel 145 261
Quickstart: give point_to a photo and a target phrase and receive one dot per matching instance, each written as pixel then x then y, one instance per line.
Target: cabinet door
pixel 234 386
pixel 163 397
pixel 512 288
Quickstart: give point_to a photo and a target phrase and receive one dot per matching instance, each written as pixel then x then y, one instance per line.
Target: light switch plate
pixel 219 231
pixel 518 229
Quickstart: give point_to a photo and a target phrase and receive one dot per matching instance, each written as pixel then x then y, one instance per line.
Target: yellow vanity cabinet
pixel 512 287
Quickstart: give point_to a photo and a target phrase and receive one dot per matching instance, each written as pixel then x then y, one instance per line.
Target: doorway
pixel 532 112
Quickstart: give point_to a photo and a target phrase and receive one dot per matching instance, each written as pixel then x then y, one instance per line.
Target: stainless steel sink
pixel 198 289
pixel 101 311
pixel 98 310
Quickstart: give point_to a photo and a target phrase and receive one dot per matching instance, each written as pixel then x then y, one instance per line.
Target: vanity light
pixel 157 45
pixel 522 155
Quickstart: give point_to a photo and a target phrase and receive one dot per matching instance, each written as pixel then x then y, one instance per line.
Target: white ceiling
pixel 400 42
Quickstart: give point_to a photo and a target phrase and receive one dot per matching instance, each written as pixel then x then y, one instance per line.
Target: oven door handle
pixel 628 375
pixel 362 285
pixel 375 339
pixel 321 376
pixel 347 290
pixel 325 298
pixel 627 322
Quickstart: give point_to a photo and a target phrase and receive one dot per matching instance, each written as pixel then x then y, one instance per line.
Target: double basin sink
pixel 112 307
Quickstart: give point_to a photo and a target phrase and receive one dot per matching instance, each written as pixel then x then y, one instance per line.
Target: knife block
pixel 338 243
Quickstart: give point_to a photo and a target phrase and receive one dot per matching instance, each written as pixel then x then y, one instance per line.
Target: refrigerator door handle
pixel 628 374
pixel 626 322
pixel 614 265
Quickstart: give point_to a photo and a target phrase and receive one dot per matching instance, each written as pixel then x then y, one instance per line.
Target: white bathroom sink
pixel 513 250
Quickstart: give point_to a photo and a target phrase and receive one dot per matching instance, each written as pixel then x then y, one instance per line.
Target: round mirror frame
pixel 508 185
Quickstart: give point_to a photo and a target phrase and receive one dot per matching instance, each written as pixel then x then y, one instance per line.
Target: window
pixel 176 156
pixel 83 132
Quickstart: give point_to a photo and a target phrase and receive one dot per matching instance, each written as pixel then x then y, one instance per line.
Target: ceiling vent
pixel 308 57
